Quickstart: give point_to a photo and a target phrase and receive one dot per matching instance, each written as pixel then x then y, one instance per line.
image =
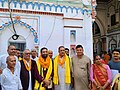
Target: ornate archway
pixel 22 24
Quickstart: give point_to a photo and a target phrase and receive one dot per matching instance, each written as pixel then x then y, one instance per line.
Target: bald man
pixel 50 53
pixel 11 50
pixel 10 79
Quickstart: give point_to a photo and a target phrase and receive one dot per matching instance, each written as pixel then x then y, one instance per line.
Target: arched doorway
pixel 20 43
pixel 28 37
pixel 96 29
pixel 96 38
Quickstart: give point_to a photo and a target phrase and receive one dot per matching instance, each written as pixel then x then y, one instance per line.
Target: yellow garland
pixel 67 71
pixel 43 63
pixel 116 82
pixel 26 66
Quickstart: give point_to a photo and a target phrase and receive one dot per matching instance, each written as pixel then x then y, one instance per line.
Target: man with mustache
pixel 34 54
pixel 62 75
pixel 11 51
pixel 10 78
pixel 81 69
pixel 114 64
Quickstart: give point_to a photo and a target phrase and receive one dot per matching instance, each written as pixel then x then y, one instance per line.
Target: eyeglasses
pixel 27 53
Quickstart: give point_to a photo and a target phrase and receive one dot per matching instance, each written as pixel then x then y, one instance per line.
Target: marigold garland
pixel 61 62
pixel 44 63
pixel 26 66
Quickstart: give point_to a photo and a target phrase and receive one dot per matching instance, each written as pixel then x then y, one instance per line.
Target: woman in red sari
pixel 100 75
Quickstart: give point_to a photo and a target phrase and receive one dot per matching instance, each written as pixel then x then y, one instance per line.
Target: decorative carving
pixel 34 5
pixel 94 4
pixel 17 17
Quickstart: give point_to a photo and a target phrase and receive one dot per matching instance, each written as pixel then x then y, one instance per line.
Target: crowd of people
pixel 35 71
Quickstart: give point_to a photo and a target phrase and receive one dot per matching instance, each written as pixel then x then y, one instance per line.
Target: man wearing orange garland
pixel 44 65
pixel 62 77
pixel 29 72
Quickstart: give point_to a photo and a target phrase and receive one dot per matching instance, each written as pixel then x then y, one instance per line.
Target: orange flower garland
pixel 61 62
pixel 44 63
pixel 26 66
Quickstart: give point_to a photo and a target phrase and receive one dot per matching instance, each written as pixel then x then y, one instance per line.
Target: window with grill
pixel 113 20
pixel 18 45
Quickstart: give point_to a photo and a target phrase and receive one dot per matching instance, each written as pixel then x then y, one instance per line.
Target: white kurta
pixel 61 75
pixel 10 81
pixel 30 81
pixel 3 64
pixel 35 59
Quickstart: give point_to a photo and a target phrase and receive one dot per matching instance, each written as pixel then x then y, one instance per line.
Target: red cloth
pixel 103 61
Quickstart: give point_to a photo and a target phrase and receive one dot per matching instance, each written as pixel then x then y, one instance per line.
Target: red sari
pixel 100 76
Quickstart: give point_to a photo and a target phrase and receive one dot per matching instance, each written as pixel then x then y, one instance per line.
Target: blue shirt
pixel 114 65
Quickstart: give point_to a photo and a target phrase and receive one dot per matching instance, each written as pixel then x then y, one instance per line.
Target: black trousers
pixel 48 88
pixel 0 87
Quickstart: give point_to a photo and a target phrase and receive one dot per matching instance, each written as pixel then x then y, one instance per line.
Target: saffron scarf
pixel 38 85
pixel 43 63
pixel 26 66
pixel 100 75
pixel 67 70
pixel 116 82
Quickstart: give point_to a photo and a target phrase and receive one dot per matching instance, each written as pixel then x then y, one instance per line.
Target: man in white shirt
pixel 9 78
pixel 11 51
pixel 34 55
